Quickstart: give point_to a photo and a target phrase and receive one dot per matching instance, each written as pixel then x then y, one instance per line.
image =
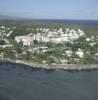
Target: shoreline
pixel 66 67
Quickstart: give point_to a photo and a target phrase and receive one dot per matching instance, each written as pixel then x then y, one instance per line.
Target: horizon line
pixel 31 18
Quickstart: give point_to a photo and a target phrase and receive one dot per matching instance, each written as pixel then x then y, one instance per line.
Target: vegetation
pixel 2 42
pixel 56 51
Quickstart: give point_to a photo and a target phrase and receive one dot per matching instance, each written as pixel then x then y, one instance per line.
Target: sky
pixel 50 9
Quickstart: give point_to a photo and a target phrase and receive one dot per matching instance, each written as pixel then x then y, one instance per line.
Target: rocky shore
pixel 67 67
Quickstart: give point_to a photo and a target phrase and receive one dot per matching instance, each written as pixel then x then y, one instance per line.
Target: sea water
pixel 19 82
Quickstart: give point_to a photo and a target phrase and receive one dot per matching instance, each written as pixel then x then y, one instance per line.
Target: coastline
pixel 66 67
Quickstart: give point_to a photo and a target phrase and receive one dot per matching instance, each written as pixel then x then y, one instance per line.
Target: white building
pixel 80 53
pixel 81 33
pixel 57 36
pixel 9 33
pixel 69 53
pixel 27 40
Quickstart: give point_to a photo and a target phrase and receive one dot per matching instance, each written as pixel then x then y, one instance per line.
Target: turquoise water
pixel 19 82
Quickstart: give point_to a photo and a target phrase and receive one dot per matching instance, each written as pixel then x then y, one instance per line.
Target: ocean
pixel 71 22
pixel 85 23
pixel 20 82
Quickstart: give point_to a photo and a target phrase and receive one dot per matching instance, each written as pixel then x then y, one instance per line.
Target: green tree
pixel 2 42
pixel 35 41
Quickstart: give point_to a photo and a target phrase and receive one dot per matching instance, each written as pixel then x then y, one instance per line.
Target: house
pixel 81 33
pixel 3 27
pixel 88 39
pixel 27 40
pixel 80 53
pixel 38 50
pixel 69 53
pixel 9 33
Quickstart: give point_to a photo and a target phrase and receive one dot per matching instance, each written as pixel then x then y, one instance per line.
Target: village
pixel 49 46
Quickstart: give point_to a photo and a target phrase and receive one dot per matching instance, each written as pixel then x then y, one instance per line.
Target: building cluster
pixel 38 41
pixel 5 32
pixel 55 36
